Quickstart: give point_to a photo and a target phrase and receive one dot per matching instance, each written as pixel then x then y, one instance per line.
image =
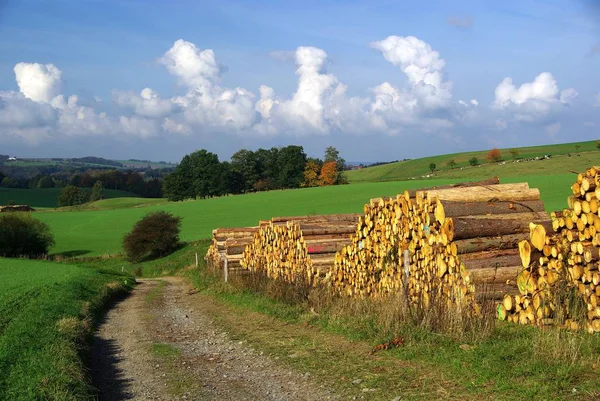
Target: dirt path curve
pixel 157 344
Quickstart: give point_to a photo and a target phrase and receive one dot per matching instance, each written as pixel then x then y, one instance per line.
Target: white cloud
pixel 174 127
pixel 306 108
pixel 147 104
pixel 194 67
pixel 567 95
pixel 422 66
pixel 139 126
pixel 532 100
pixel 40 83
pixel 320 105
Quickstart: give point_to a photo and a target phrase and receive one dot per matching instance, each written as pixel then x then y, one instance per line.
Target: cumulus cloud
pixel 194 67
pixel 148 103
pixel 532 100
pixel 422 66
pixel 306 108
pixel 320 105
pixel 40 83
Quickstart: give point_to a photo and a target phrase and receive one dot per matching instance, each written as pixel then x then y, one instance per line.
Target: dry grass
pixel 383 317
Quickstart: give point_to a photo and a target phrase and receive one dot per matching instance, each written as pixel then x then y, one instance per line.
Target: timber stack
pixel 228 245
pixel 298 250
pixel 561 283
pixel 458 238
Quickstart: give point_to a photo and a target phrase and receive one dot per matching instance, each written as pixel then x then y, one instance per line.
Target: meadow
pixel 44 198
pixel 560 162
pixel 46 315
pixel 100 232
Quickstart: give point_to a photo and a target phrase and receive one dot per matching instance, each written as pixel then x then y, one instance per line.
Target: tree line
pixel 201 174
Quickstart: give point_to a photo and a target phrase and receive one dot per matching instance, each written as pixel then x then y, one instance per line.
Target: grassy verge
pixel 169 265
pixel 506 363
pixel 47 312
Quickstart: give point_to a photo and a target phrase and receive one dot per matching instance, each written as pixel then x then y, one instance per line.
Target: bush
pixel 432 167
pixel 451 163
pixel 21 235
pixel 156 234
pixel 71 196
pixel 494 155
pixel 473 161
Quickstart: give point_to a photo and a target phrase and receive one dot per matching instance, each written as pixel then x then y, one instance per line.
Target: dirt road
pixel 160 344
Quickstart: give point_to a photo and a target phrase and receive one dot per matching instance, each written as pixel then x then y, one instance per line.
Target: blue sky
pixel 332 92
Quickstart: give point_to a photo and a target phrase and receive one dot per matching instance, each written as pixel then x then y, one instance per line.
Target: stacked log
pixel 561 281
pixel 298 249
pixel 228 245
pixel 456 238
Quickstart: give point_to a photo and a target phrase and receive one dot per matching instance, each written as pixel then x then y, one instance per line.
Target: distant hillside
pixel 86 162
pixel 582 154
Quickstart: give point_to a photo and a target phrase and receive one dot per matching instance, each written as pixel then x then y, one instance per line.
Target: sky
pixel 379 80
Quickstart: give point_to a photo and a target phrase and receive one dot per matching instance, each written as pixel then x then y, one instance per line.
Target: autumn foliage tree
pixel 329 174
pixel 312 170
pixel 494 155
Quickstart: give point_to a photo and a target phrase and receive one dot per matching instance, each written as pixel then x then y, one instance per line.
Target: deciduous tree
pixel 494 155
pixel 328 174
pixel 312 169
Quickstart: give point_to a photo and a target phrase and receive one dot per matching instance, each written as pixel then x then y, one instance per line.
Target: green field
pixel 44 197
pixel 92 233
pixel 559 163
pixel 42 333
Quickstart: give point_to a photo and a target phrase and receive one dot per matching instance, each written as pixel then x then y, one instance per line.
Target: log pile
pixel 227 246
pixel 298 249
pixel 561 282
pixel 457 239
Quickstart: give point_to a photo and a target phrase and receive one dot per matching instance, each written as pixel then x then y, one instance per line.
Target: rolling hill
pixel 583 154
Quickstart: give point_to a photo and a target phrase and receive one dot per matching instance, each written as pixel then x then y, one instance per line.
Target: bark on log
pixel 469 227
pixel 484 194
pixel 470 245
pixel 490 181
pixel 456 209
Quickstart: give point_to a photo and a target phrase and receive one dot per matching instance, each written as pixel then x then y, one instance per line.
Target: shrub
pixel 156 234
pixel 21 235
pixel 514 153
pixel 432 167
pixel 494 155
pixel 97 191
pixel 451 163
pixel 71 196
pixel 473 161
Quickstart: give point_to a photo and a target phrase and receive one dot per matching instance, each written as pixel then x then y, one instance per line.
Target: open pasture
pixel 560 162
pixel 92 233
pixel 41 331
pixel 46 198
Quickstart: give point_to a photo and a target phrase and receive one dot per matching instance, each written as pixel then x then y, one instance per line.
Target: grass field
pixel 560 162
pixel 93 233
pixel 44 197
pixel 43 330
